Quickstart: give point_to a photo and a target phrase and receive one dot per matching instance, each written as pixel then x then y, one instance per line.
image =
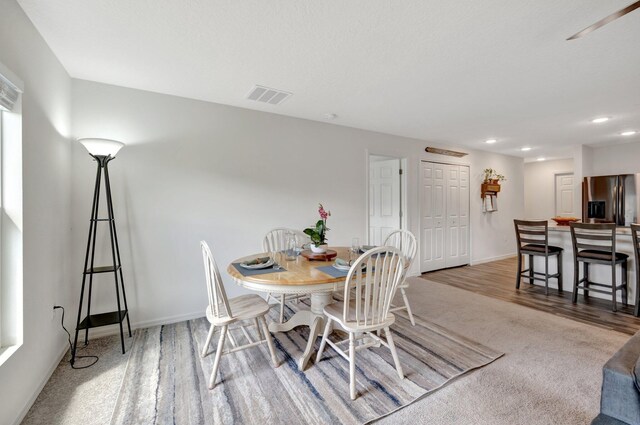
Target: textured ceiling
pixel 449 72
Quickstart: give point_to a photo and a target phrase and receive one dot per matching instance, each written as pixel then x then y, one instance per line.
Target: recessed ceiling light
pixel 490 141
pixel 600 120
pixel 525 149
pixel 628 133
pixel 540 159
pixel 330 116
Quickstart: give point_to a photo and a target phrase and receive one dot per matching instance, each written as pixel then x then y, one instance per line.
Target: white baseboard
pixel 115 329
pixel 490 259
pixel 43 382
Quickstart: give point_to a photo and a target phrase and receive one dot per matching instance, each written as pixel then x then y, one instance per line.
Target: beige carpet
pixel 550 374
pixel 83 396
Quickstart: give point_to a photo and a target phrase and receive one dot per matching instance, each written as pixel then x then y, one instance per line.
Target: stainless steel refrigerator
pixel 611 199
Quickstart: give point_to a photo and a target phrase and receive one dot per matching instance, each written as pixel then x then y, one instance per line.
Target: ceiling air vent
pixel 268 95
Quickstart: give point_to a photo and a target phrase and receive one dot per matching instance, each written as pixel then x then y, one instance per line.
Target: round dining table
pixel 299 277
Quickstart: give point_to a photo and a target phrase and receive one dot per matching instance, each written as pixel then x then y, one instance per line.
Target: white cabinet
pixel 444 216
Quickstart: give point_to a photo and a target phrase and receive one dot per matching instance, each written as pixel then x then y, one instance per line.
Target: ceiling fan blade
pixel 605 21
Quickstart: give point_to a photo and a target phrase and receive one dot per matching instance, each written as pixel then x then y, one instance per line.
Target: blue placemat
pixel 248 272
pixel 332 271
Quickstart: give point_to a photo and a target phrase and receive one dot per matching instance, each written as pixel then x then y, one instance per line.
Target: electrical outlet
pixel 53 311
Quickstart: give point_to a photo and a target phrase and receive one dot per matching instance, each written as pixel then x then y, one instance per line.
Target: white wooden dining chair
pixel 223 312
pixel 368 293
pixel 405 241
pixel 276 240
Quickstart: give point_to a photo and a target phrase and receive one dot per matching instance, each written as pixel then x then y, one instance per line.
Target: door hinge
pixel 400 171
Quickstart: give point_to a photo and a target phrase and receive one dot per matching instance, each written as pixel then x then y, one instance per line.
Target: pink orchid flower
pixel 323 214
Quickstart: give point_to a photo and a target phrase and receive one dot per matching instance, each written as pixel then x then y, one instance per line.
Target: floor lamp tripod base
pixel 91 269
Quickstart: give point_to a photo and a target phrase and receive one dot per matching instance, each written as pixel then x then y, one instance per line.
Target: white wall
pixel 617 159
pixel 539 187
pixel 46 209
pixel 193 170
pixel 492 234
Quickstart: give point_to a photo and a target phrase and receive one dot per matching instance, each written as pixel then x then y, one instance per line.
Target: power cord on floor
pixel 55 307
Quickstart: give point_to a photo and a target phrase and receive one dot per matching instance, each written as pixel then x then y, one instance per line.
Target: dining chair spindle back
pixel 369 289
pixel 276 240
pixel 405 241
pixel 222 312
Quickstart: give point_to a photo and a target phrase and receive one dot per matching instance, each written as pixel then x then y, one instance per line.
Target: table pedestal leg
pixel 300 318
pixel 315 329
pixel 318 302
pixel 313 318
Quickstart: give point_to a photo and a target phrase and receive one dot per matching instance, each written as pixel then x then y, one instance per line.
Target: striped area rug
pixel 166 380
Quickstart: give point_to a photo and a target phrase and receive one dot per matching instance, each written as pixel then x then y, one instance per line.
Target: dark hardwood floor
pixel 497 280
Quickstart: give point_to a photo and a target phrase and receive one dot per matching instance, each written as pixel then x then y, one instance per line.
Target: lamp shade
pixel 102 147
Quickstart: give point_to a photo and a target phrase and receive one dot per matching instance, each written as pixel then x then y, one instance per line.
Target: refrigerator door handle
pixel 616 200
pixel 621 190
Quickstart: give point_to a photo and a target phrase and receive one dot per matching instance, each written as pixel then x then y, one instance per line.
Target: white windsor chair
pixel 367 298
pixel 405 241
pixel 276 240
pixel 223 312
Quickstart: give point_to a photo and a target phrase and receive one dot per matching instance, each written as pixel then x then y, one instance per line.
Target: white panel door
pixel 452 206
pixel 384 199
pixel 444 216
pixel 463 217
pixel 433 196
pixel 564 196
pixel 457 224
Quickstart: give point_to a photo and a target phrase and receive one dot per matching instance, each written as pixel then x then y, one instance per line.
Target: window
pixel 10 214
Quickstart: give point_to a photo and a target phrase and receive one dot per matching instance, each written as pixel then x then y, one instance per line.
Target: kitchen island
pixel 561 236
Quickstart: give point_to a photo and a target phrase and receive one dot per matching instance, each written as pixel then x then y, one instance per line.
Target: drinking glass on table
pixel 275 256
pixel 354 252
pixel 291 246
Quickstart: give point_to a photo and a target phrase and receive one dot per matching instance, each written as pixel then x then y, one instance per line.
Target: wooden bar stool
pixel 636 253
pixel 533 239
pixel 596 244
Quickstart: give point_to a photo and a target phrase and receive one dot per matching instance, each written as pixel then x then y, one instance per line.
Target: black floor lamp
pixel 103 151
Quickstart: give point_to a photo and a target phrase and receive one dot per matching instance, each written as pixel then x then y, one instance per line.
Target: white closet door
pixel 433 217
pixel 445 216
pixel 452 202
pixel 463 220
pixel 457 225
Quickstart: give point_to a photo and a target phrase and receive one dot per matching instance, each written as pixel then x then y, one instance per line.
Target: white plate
pixel 343 265
pixel 257 266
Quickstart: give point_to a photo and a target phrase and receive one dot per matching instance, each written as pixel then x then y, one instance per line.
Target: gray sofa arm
pixel 606 420
pixel 620 398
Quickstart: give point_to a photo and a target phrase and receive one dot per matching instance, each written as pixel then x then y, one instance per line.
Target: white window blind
pixel 8 94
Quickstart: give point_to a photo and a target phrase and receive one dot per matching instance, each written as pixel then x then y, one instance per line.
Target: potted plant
pixel 491 176
pixel 317 234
